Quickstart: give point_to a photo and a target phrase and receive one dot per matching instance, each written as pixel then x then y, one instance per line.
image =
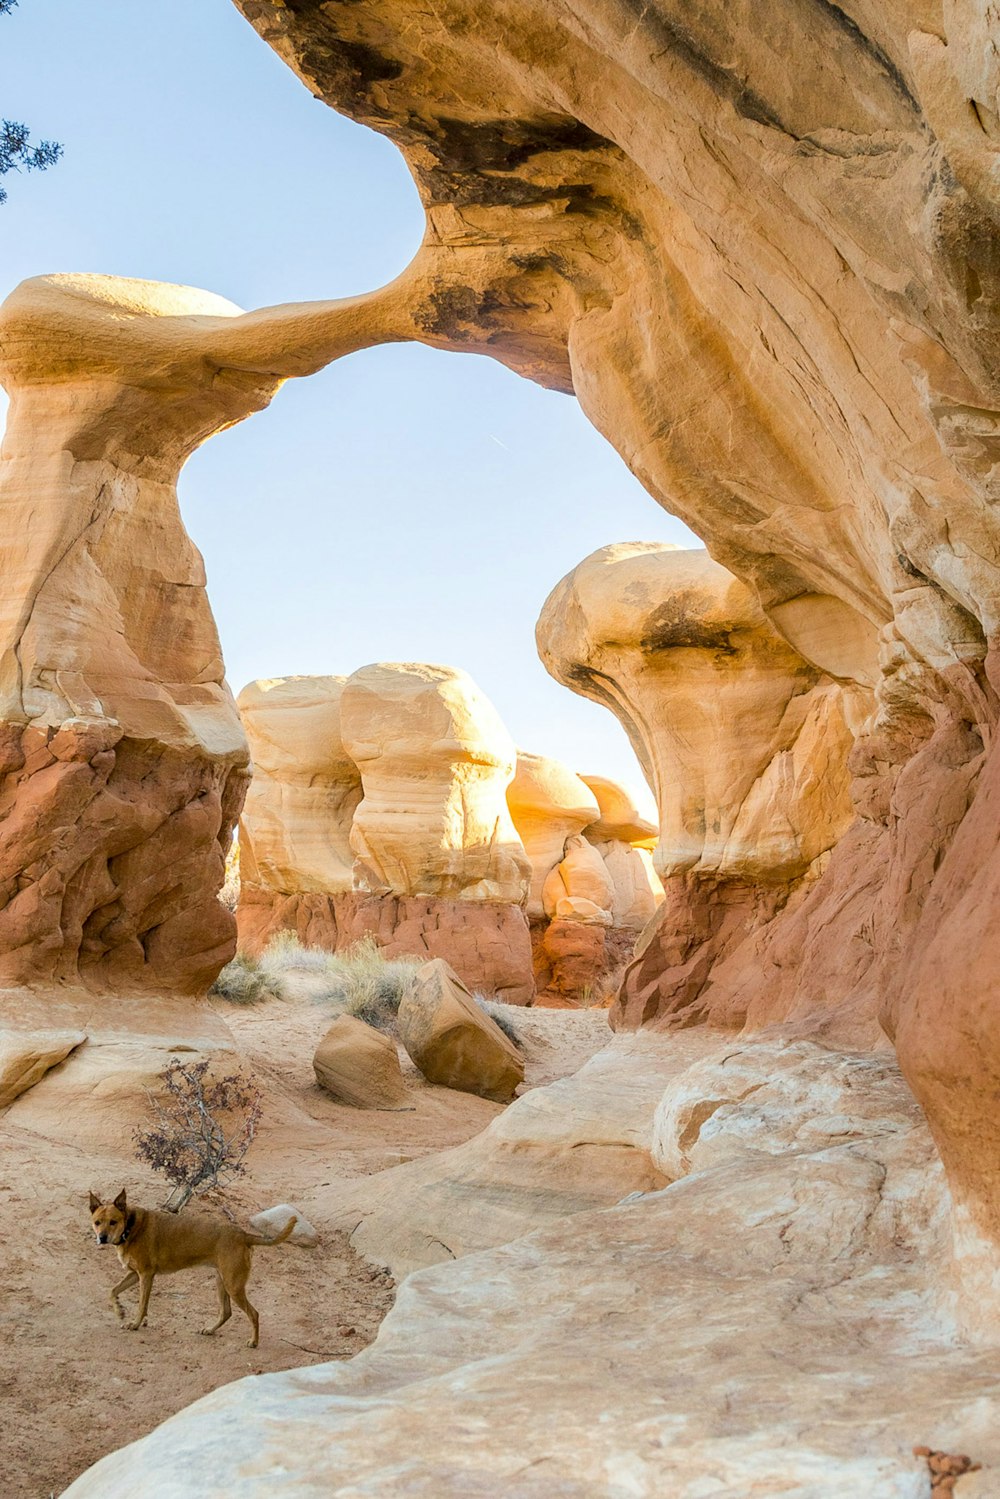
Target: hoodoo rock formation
pixel 295 850
pixel 583 913
pixel 439 868
pixel 122 758
pixel 744 744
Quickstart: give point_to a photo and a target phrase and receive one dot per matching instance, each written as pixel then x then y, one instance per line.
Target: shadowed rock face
pixel 761 246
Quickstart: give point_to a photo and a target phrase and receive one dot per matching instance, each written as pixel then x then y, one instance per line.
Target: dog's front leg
pixel 123 1285
pixel 145 1286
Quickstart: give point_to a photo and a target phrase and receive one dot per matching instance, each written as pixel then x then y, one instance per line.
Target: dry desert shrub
pixel 369 985
pixel 500 1015
pixel 201 1129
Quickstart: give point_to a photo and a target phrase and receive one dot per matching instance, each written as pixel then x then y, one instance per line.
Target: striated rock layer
pixel 295 853
pixel 744 745
pixel 761 248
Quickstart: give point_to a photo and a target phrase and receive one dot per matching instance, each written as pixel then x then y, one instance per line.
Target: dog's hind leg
pixel 236 1284
pixel 225 1307
pixel 123 1285
pixel 145 1286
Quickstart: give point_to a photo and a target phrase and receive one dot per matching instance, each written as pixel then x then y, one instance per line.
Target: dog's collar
pixel 129 1226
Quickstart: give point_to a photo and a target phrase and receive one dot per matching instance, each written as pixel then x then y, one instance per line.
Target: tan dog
pixel 150 1243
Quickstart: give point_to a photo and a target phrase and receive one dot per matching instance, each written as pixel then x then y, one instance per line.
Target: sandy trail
pixel 73 1386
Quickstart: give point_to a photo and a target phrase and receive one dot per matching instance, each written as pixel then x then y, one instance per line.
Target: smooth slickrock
pixel 579 1144
pixel 548 804
pixel 296 822
pixel 122 759
pixel 753 1330
pixel 452 1040
pixel 25 1058
pixel 579 888
pixel 359 1066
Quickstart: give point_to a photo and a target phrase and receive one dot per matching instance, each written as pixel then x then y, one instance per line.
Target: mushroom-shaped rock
pixel 743 742
pixel 620 820
pixel 453 1041
pixel 295 852
pixel 435 762
pixel 358 1065
pixel 437 855
pixel 122 758
pixel 548 803
pixel 579 888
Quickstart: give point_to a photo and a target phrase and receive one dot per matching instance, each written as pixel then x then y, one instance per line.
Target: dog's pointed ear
pixel 95 1203
pixel 120 1202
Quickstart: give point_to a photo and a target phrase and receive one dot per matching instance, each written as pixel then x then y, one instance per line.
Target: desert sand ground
pixel 73 1386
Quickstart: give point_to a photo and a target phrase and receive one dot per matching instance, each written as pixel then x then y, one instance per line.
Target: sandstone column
pixel 295 851
pixel 439 867
pixel 122 760
pixel 743 742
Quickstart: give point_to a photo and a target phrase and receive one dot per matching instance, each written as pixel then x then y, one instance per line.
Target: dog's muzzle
pixel 102 1238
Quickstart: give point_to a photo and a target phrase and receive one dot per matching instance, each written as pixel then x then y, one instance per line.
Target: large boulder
pixel 453 1041
pixel 358 1065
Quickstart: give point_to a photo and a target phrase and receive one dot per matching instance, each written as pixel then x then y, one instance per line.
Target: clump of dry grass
pixel 242 982
pixel 500 1015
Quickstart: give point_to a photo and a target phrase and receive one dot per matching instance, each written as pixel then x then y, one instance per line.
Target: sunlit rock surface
pixel 295 829
pixel 761 248
pixel 766 1324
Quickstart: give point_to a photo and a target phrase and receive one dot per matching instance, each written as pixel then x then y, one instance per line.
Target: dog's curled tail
pixel 279 1238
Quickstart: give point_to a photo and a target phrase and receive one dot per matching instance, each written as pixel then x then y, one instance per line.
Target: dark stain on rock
pixel 673 629
pixel 502 145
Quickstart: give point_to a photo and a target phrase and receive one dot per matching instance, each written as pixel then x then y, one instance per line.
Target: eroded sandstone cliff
pixel 761 246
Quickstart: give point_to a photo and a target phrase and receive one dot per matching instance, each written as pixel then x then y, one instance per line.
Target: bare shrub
pixel 201 1131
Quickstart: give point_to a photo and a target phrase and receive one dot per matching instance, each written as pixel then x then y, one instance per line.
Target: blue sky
pixel 405 504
